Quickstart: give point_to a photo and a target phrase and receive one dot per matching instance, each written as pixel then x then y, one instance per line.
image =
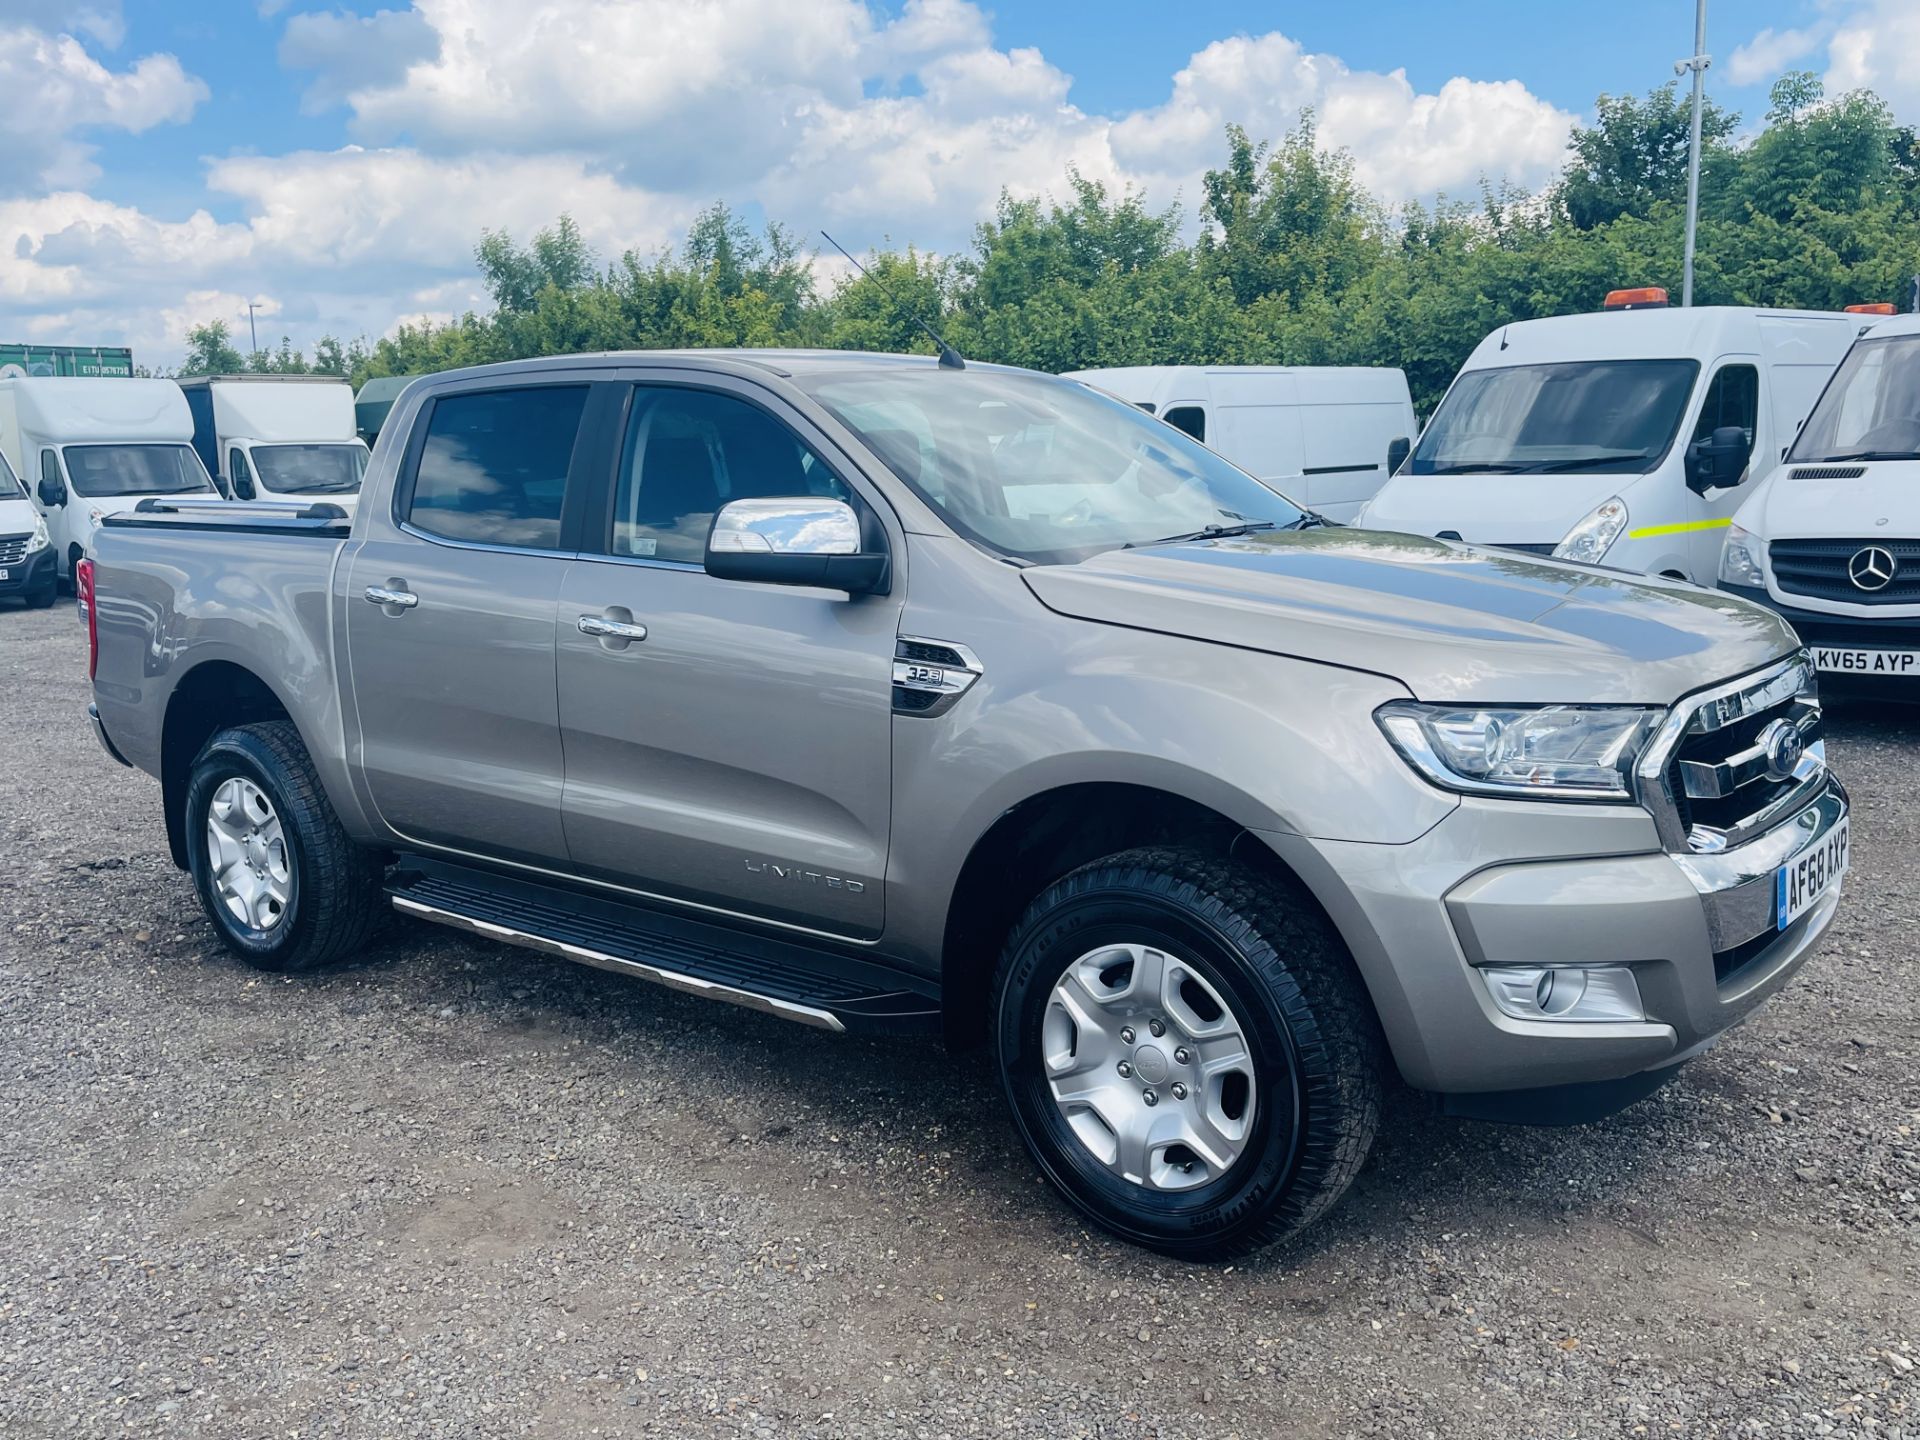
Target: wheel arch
pixel 1051 833
pixel 213 696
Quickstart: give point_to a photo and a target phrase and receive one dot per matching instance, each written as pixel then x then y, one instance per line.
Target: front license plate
pixel 1867 662
pixel 1812 873
pixel 4 575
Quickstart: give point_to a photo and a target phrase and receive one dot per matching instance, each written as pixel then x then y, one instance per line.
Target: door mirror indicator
pixel 1718 461
pixel 795 540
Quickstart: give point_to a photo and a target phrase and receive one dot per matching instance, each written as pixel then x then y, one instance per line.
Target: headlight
pixel 39 540
pixel 1566 752
pixel 1740 560
pixel 95 516
pixel 1590 540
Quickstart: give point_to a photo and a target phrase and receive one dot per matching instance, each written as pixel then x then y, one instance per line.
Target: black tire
pixel 1304 1015
pixel 333 903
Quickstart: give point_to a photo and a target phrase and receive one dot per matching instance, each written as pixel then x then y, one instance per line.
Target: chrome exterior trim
pixel 1736 887
pixel 947 683
pixel 672 979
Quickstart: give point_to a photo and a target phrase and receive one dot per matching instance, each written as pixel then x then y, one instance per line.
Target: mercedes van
pixel 1626 438
pixel 1326 435
pixel 88 448
pixel 1831 539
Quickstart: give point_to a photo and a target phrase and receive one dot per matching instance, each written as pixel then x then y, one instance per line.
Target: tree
pixel 1634 155
pixel 210 351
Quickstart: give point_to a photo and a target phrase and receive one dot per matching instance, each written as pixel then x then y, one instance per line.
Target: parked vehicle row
pixel 278 437
pixel 886 693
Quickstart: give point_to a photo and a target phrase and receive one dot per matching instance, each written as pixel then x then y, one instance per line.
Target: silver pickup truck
pixel 883 695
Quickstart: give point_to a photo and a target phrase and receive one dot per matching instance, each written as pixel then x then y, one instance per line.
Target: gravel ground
pixel 465 1190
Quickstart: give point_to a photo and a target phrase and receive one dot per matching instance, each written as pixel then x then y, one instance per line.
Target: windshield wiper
pixel 1863 455
pixel 338 489
pixel 1479 467
pixel 1209 532
pixel 1599 457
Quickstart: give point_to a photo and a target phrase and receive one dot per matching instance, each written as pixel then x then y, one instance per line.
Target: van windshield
pixel 12 487
pixel 1041 469
pixel 101 471
pixel 1870 409
pixel 1585 417
pixel 310 469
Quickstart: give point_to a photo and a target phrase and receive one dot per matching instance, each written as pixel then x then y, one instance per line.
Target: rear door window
pixel 1190 418
pixel 493 465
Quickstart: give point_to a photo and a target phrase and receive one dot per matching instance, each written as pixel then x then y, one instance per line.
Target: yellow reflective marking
pixel 1647 532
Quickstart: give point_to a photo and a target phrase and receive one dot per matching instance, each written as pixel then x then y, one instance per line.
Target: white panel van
pixel 1831 539
pixel 1323 435
pixel 1620 438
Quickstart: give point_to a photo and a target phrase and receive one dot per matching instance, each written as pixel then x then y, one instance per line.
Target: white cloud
pixel 633 114
pixel 51 87
pixel 1769 53
pixel 1874 49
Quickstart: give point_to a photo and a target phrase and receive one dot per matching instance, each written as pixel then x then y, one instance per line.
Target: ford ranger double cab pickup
pixel 884 694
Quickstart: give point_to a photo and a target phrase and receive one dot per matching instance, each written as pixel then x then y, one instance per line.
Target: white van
pixel 278 437
pixel 1624 438
pixel 26 549
pixel 1324 435
pixel 89 448
pixel 1832 538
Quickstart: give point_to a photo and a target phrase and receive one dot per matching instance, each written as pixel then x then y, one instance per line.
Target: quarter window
pixel 1190 418
pixel 493 467
pixel 687 453
pixel 238 475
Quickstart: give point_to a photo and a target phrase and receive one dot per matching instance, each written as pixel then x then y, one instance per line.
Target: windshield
pixel 1041 469
pixel 109 470
pixel 11 485
pixel 1870 410
pixel 310 469
pixel 1591 417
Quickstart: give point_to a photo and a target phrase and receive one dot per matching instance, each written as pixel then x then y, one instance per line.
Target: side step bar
pixel 796 981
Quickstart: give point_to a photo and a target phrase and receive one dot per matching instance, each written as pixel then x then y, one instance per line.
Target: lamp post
pixel 254 335
pixel 1697 63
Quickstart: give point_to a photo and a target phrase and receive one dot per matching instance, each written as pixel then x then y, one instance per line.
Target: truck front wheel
pixel 1190 1056
pixel 279 878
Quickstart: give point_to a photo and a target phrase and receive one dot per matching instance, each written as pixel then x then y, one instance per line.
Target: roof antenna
pixel 949 357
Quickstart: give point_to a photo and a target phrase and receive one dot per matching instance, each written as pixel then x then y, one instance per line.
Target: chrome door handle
pixel 380 595
pixel 605 629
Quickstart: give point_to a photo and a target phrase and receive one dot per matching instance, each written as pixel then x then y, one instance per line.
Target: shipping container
pixel 18 361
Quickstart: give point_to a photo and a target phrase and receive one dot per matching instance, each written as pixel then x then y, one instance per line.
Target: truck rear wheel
pixel 1188 1051
pixel 276 874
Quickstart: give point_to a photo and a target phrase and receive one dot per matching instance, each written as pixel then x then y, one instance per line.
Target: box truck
pixel 278 437
pixel 92 448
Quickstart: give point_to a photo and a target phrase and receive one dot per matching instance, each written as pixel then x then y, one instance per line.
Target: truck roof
pixel 1704 331
pixel 70 408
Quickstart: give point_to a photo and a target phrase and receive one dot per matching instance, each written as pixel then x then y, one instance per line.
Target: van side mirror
pixel 243 488
pixel 1398 449
pixel 1718 461
pixel 52 492
pixel 795 540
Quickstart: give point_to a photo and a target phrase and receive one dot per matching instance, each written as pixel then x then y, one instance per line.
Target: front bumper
pixel 29 576
pixel 1824 629
pixel 1697 931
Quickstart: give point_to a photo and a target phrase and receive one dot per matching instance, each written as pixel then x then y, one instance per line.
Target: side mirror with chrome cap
pixel 796 540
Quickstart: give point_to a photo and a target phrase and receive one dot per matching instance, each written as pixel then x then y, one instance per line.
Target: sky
pixel 165 164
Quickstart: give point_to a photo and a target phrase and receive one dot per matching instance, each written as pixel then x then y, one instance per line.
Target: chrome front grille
pixel 1732 762
pixel 13 549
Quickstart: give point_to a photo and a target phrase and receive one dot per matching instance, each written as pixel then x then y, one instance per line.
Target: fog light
pixel 1565 992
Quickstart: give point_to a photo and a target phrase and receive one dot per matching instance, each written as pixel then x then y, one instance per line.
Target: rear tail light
pixel 83 590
